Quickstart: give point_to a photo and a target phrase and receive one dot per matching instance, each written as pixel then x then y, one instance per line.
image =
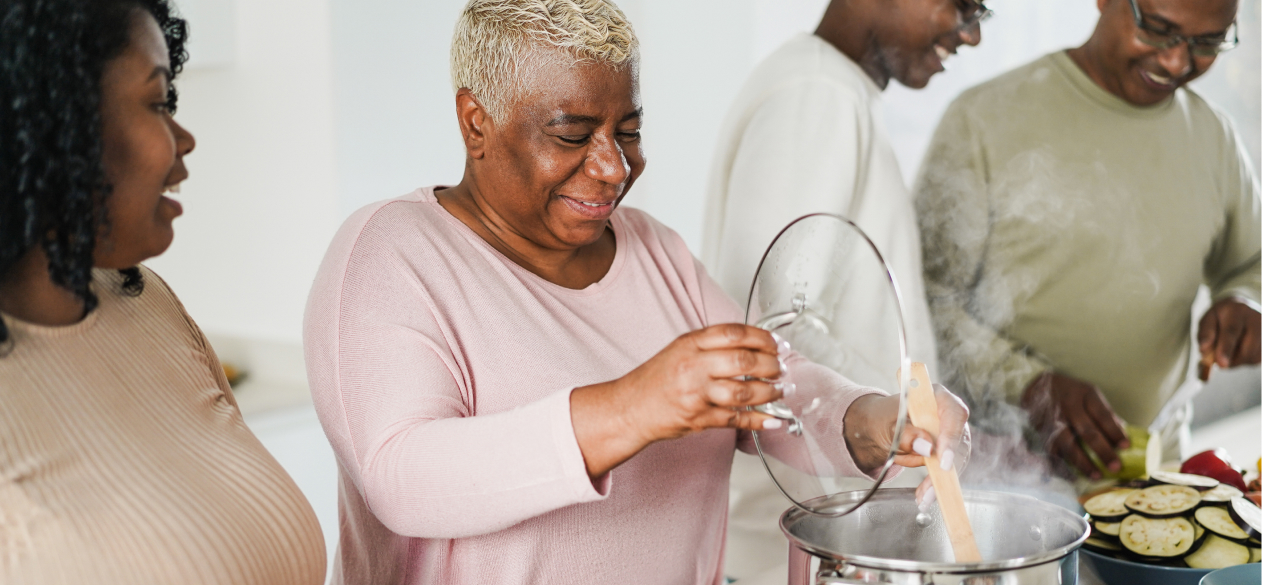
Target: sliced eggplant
pixel 1162 501
pixel 1109 506
pixel 1219 521
pixel 1106 529
pixel 1217 553
pixel 1102 546
pixel 1199 482
pixel 1164 538
pixel 1221 495
pixel 1247 516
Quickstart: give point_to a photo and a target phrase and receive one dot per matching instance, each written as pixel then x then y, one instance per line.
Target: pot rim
pixel 791 515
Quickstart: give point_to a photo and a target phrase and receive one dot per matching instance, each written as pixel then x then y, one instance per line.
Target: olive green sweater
pixel 1066 229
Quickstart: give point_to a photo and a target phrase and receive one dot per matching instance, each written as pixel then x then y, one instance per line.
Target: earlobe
pixel 473 120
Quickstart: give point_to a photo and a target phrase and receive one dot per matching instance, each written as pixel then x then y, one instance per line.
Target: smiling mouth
pixel 591 205
pixel 1158 79
pixel 943 53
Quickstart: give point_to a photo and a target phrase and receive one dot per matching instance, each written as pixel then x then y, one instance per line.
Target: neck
pixel 1087 58
pixel 574 268
pixel 850 27
pixel 28 293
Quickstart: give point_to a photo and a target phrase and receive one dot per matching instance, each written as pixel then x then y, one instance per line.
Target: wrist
pixel 603 427
pixel 866 426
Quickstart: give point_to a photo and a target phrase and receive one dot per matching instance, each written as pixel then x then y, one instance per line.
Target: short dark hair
pixel 52 183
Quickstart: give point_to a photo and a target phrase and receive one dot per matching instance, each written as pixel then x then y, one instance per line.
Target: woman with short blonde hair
pixel 524 382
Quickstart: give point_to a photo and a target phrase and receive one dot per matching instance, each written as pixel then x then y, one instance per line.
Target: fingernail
pixel 1115 466
pixel 788 388
pixel 1095 475
pixel 922 447
pixel 784 369
pixel 782 346
pixel 1125 444
pixel 947 459
pixel 772 424
pixel 928 500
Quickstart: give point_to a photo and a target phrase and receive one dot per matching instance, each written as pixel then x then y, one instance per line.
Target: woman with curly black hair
pixel 123 455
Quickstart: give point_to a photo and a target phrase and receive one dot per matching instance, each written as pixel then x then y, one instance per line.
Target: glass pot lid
pixel 824 288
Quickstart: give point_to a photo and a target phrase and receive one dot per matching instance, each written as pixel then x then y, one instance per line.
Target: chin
pixel 914 79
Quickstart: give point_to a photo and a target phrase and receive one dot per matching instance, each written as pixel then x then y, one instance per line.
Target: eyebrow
pixel 1175 26
pixel 565 119
pixel 161 70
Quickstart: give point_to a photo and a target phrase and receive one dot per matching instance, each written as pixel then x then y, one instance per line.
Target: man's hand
pixel 1228 335
pixel 1065 410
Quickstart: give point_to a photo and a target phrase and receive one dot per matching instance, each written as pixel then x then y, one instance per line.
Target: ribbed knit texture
pixel 442 371
pixel 124 458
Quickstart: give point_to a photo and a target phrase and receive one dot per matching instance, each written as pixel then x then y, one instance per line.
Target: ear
pixel 474 122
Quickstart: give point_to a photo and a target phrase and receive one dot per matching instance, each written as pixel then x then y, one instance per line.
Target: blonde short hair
pixel 497 43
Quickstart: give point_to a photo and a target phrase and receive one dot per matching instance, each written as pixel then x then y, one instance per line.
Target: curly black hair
pixel 52 183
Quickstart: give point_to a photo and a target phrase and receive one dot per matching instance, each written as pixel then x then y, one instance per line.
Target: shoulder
pixel 653 236
pixel 1205 116
pixel 808 66
pixel 1020 86
pixel 407 225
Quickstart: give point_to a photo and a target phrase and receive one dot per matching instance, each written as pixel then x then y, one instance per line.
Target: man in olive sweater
pixel 1071 208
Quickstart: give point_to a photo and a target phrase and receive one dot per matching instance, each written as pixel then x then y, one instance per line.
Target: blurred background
pixel 305 110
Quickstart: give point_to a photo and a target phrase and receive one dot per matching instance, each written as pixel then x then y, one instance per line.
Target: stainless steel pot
pixel 1023 541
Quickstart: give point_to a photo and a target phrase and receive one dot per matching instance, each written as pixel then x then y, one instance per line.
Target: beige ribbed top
pixel 124 458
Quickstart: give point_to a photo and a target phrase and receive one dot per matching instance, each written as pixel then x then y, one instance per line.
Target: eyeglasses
pixel 972 13
pixel 1204 46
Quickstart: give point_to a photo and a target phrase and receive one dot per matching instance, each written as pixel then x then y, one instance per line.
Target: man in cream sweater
pixel 806 134
pixel 1070 211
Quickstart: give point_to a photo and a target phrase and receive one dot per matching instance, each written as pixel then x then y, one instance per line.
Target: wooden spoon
pixel 922 408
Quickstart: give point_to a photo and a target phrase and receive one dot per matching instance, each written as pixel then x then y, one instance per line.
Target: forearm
pixel 464 476
pixel 976 358
pixel 836 399
pixel 605 435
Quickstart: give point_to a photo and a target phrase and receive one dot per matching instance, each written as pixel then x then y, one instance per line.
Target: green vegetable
pixel 1134 458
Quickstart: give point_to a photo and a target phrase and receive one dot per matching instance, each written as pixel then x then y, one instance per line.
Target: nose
pixel 606 162
pixel 971 35
pixel 184 141
pixel 1176 60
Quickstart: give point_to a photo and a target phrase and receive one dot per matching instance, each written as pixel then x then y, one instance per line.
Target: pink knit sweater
pixel 442 371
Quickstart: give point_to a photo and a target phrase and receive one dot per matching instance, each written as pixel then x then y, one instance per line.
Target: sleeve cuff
pixel 574 467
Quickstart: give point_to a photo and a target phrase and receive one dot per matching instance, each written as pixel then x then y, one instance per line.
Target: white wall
pixel 396 127
pixel 322 106
pixel 260 203
pixel 1021 31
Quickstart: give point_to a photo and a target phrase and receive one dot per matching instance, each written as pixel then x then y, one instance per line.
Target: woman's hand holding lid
pixel 695 383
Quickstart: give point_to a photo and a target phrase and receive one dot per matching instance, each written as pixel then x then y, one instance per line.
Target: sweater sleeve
pixel 835 392
pixel 952 205
pixel 393 398
pixel 1233 267
pixel 775 175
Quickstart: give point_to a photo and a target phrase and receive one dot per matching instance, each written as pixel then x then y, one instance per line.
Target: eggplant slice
pixel 1217 553
pixel 1199 482
pixel 1162 501
pixel 1221 495
pixel 1219 521
pixel 1102 546
pixel 1165 538
pixel 1109 506
pixel 1247 516
pixel 1106 530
